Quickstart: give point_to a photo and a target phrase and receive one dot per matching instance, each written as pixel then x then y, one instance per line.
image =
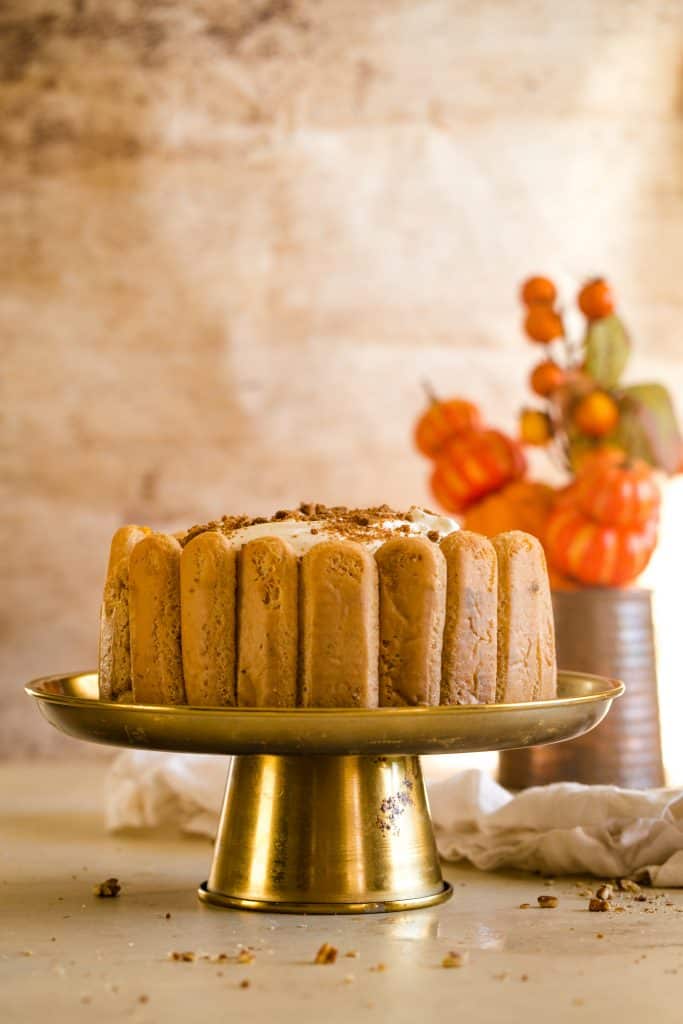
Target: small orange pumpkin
pixel 596 554
pixel 442 421
pixel 473 465
pixel 617 491
pixel 522 505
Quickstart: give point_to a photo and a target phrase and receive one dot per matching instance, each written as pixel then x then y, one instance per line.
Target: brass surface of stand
pixel 325 809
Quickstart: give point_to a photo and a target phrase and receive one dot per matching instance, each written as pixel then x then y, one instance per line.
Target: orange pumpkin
pixel 596 554
pixel 522 505
pixel 617 491
pixel 473 465
pixel 442 421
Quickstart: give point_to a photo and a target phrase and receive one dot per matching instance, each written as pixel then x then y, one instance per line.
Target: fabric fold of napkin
pixel 565 828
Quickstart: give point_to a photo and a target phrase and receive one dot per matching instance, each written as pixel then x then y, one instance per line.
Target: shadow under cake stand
pixel 325 810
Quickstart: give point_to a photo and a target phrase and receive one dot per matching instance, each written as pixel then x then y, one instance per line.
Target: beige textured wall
pixel 233 236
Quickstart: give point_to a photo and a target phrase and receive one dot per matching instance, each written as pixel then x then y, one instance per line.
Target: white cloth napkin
pixel 561 829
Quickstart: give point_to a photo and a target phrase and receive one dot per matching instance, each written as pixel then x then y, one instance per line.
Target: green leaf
pixel 647 426
pixel 607 349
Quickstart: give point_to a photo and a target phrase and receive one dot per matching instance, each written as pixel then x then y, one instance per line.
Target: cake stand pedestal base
pixel 325 834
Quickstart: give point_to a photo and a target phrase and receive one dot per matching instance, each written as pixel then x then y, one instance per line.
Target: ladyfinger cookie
pixel 468 665
pixel 526 634
pixel 114 652
pixel 123 542
pixel 156 658
pixel 412 607
pixel 268 616
pixel 207 617
pixel 339 628
pixel 114 649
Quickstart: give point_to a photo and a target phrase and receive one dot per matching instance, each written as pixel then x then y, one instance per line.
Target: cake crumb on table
pixel 628 885
pixel 547 902
pixel 454 959
pixel 107 889
pixel 327 954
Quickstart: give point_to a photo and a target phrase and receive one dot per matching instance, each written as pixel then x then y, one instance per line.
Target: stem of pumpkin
pixel 429 391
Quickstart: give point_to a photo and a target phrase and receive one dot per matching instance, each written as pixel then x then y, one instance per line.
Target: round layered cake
pixel 326 607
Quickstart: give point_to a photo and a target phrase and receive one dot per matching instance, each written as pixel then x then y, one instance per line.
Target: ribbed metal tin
pixel 607 632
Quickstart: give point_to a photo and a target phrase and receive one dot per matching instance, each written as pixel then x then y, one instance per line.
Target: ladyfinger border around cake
pixel 326 607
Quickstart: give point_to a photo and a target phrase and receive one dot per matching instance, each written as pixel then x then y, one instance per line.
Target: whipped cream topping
pixel 312 524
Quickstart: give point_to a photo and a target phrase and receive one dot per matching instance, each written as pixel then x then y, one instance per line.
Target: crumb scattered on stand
pixel 379 967
pixel 604 892
pixel 187 957
pixel 453 959
pixel 245 956
pixel 351 953
pixel 547 902
pixel 524 906
pixel 245 983
pixel 143 998
pixel 167 915
pixel 107 889
pixel 327 954
pixel 597 905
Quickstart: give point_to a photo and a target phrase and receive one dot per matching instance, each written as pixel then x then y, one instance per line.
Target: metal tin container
pixel 608 632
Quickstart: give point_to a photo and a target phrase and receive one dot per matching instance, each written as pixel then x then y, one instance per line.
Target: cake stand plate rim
pixel 584 701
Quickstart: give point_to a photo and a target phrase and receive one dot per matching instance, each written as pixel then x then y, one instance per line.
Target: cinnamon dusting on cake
pixel 360 524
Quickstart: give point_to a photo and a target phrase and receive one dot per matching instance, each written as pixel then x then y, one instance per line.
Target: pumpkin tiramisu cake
pixel 326 607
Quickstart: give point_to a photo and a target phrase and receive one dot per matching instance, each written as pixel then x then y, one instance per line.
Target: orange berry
pixel 596 414
pixel 539 290
pixel 546 378
pixel 595 299
pixel 543 324
pixel 535 427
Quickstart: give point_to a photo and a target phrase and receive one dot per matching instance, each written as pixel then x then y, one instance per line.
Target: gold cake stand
pixel 325 810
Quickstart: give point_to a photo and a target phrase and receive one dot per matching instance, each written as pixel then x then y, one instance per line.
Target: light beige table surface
pixel 67 956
